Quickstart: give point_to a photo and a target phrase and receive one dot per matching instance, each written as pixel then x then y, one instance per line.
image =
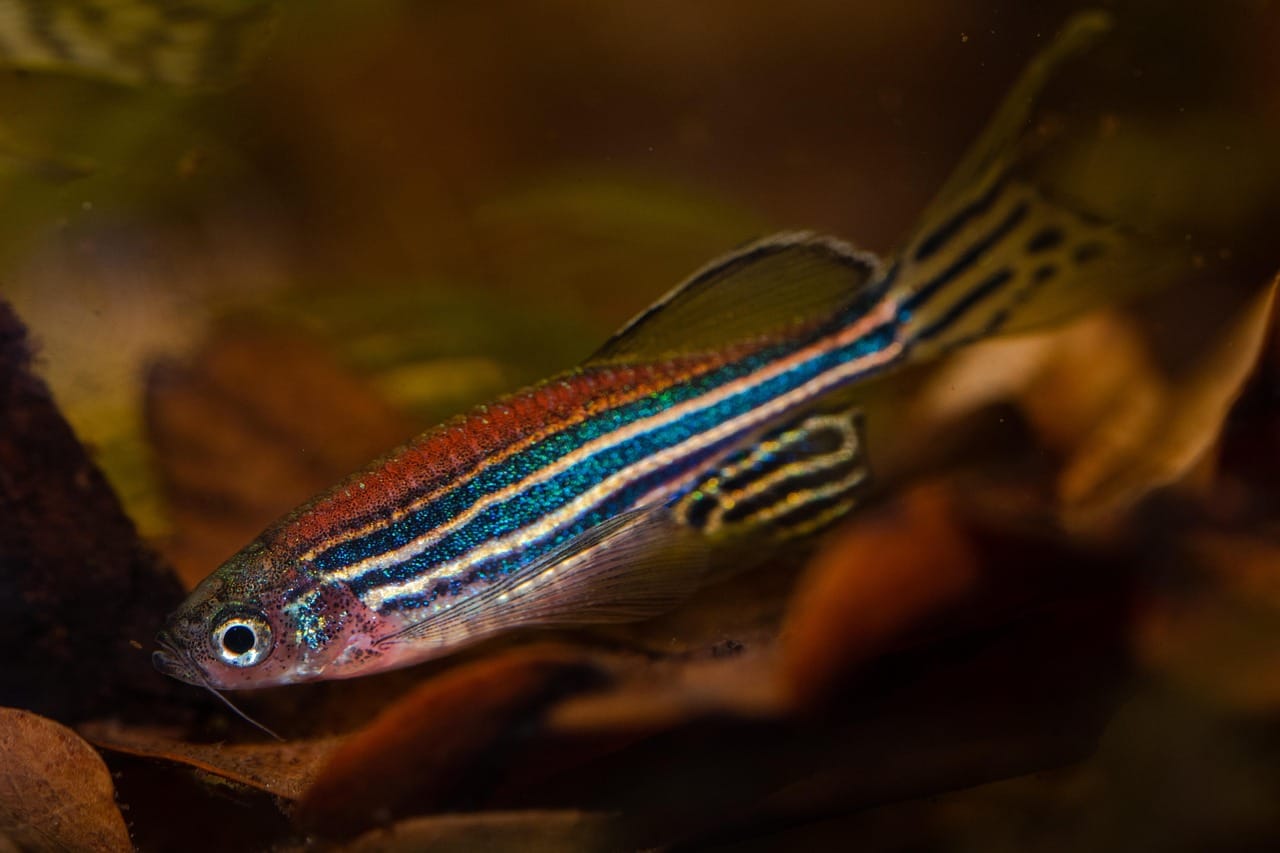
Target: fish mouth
pixel 171 661
pixel 176 663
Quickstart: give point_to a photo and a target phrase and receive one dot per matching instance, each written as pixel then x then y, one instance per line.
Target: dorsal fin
pixel 767 289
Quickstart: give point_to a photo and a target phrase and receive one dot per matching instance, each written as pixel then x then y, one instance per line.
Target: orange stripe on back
pixel 440 458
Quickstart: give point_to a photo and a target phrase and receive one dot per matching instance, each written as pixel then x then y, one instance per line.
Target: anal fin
pixel 794 481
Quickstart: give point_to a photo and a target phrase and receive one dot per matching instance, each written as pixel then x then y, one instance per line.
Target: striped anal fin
pixel 795 481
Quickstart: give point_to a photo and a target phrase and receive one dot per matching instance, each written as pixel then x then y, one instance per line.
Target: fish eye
pixel 242 639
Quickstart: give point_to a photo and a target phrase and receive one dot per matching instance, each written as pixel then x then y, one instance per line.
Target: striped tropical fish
pixel 722 413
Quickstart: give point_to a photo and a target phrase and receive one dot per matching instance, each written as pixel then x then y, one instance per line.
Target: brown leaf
pixel 1028 694
pixel 870 584
pixel 531 831
pixel 661 695
pixel 258 422
pixel 1132 400
pixel 437 747
pixel 55 792
pixel 1159 414
pixel 713 660
pixel 948 559
pixel 1243 566
pixel 282 769
pixel 942 604
pixel 1220 638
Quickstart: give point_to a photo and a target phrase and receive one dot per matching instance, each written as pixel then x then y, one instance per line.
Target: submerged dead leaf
pixel 1146 423
pixel 55 792
pixel 872 583
pixel 947 559
pixel 283 769
pixel 1025 696
pixel 1218 635
pixel 663 694
pixel 528 832
pixel 438 747
pixel 1131 400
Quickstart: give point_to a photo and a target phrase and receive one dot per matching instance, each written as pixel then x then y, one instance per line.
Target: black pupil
pixel 238 639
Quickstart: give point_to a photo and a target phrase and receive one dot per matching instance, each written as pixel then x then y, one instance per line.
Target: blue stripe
pixel 529 461
pixel 531 504
pixel 497 567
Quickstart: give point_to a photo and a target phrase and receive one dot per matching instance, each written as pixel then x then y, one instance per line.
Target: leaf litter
pixel 55 791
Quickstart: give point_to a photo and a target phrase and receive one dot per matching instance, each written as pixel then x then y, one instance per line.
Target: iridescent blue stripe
pixel 529 505
pixel 529 461
pixel 494 568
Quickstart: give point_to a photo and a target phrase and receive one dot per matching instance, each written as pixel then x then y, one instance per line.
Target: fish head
pixel 259 621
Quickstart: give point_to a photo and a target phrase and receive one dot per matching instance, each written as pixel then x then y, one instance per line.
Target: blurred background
pixel 259 243
pixel 453 198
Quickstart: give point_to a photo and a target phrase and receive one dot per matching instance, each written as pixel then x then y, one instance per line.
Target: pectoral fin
pixel 634 565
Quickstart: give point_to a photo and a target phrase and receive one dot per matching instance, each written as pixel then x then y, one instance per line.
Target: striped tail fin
pixel 995 253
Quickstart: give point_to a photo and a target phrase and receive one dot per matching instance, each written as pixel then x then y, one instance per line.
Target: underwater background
pixel 250 245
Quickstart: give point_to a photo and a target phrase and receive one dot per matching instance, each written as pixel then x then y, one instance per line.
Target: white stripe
pixel 783 240
pixel 878 316
pixel 376 597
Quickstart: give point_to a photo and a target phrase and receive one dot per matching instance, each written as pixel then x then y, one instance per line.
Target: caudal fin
pixel 995 253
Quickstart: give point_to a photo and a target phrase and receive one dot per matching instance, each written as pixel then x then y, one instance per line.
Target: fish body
pixel 720 413
pixel 497 502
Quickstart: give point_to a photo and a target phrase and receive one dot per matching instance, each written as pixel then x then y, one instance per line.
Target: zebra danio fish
pixel 725 411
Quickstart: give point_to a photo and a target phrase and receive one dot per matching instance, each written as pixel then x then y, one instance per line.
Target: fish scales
pixel 446 458
pixel 606 465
